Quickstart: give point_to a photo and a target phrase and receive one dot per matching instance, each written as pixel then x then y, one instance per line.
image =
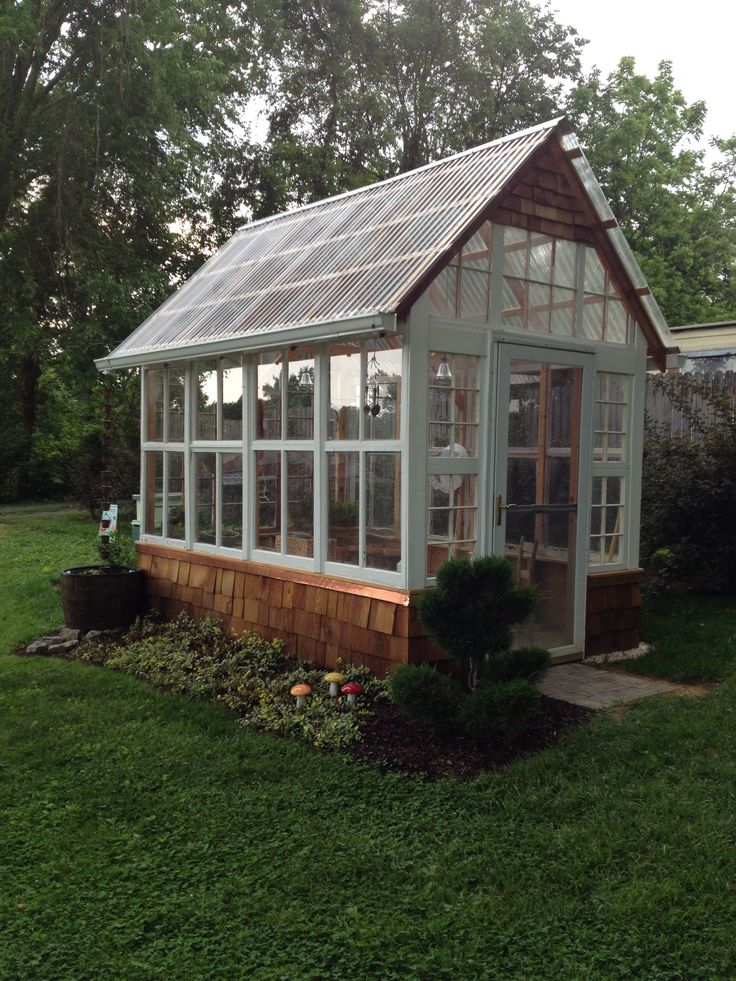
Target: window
pixel 452 446
pixel 284 454
pixel 451 519
pixel 163 461
pixel 610 468
pixel 224 470
pixel 548 285
pixel 364 461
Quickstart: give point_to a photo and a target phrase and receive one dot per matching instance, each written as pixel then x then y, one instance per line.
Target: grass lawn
pixel 36 543
pixel 146 836
pixel 693 638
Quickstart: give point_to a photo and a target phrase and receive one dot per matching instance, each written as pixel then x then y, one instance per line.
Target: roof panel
pixel 356 254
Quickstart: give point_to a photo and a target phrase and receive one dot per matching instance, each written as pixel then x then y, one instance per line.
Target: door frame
pixel 506 352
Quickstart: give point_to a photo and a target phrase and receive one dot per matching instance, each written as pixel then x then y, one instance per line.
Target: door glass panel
pixel 541 493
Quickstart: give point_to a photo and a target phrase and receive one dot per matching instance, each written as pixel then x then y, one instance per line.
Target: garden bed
pixel 253 678
pixel 395 742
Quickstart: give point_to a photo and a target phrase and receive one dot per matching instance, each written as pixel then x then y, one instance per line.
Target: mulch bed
pixel 394 742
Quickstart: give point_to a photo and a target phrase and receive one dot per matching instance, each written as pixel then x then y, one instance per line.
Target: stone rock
pixel 68 633
pixel 42 645
pixel 93 634
pixel 61 647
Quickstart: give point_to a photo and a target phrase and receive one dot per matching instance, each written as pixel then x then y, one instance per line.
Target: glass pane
pixel 514 302
pixel 615 322
pixel 514 252
pixel 473 295
pixel 544 415
pixel 344 419
pixel 268 409
pixel 205 415
pixel 344 507
pixel 204 497
pixel 383 510
pixel 154 388
pixel 154 516
pixel 175 517
pixel 524 405
pixel 443 293
pixel 232 500
pixel 540 259
pixel 268 498
pixel 476 253
pixel 538 317
pixel 609 416
pixel 595 274
pixel 382 392
pixel 563 312
pixel 232 399
pixel 451 518
pixel 176 406
pixel 566 257
pixel 593 310
pixel 453 400
pixel 300 408
pixel 466 441
pixel 300 503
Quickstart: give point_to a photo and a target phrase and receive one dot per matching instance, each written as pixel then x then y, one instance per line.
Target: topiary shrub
pixel 471 611
pixel 527 663
pixel 499 711
pixel 425 695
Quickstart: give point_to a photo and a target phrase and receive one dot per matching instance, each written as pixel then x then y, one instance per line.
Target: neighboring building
pixel 448 363
pixel 707 347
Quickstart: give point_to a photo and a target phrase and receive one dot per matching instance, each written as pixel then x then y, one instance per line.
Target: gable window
pixel 547 285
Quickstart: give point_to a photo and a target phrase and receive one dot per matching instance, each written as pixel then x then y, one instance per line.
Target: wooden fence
pixel 663 410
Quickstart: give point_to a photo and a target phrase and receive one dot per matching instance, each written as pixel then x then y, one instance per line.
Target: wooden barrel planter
pixel 96 597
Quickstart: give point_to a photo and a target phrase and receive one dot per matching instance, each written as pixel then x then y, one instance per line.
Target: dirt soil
pixel 394 742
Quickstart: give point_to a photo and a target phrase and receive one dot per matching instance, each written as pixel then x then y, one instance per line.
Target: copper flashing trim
pixel 401 597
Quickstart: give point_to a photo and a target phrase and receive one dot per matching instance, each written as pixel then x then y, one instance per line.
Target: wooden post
pixel 105 475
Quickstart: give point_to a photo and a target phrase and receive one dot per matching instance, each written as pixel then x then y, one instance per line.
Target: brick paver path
pixel 582 684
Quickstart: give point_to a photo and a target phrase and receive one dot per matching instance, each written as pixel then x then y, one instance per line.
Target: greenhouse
pixel 448 363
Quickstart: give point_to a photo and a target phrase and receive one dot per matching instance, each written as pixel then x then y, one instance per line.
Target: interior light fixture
pixel 443 370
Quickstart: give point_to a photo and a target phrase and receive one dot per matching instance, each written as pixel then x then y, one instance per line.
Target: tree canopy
pixel 677 210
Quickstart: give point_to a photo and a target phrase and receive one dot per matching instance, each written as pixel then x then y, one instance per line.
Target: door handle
pixel 500 506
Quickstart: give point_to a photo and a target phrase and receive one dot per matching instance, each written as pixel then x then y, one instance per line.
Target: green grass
pixel 693 638
pixel 146 836
pixel 36 543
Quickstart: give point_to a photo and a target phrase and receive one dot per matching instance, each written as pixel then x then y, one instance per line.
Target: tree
pixel 109 117
pixel 364 89
pixel 678 213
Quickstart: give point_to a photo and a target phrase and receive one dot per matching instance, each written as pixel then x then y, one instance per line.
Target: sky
pixel 697 37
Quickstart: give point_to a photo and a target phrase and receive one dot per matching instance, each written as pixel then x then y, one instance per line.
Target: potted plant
pixel 106 596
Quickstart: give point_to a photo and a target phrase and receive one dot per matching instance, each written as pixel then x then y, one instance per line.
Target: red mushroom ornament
pixel 352 689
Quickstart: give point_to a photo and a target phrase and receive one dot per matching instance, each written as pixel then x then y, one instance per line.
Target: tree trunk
pixel 30 372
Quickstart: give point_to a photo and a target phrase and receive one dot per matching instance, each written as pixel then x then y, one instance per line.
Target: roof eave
pixel 371 325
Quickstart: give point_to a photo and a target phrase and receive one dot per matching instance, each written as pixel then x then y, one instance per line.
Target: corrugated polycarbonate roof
pixel 358 254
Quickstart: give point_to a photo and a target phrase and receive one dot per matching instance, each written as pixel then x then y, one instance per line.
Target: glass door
pixel 543 419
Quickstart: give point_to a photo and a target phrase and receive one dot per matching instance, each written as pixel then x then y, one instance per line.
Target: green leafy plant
pixel 499 711
pixel 248 674
pixel 120 551
pixel 471 611
pixel 425 695
pixel 688 513
pixel 527 663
